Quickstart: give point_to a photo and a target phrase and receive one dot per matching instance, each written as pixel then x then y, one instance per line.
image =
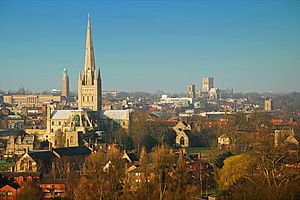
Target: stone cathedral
pixel 89 81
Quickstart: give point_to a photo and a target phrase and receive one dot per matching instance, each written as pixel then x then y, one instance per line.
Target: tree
pixel 235 168
pixel 146 188
pixel 103 175
pixel 179 180
pixel 30 191
pixel 148 141
pixel 219 161
pixel 162 163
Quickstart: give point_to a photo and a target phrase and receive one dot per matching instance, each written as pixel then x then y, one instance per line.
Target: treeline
pixel 106 176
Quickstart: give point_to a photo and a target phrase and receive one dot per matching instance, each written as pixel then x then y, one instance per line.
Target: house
pixel 181 125
pixel 69 159
pixel 9 191
pixel 182 138
pixel 21 178
pixel 35 161
pixel 129 157
pixel 53 188
pixel 223 140
pixel 20 144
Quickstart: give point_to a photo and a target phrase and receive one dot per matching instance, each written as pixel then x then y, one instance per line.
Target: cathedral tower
pixel 89 81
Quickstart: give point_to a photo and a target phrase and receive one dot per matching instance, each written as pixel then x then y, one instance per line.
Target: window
pixel 30 165
pixel 92 98
pixel 82 98
pixel 59 123
pixel 71 140
pixel 182 141
pixel 52 123
pixel 87 98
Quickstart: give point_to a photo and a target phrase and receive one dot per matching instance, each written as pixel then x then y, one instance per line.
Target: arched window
pixel 92 98
pixel 71 140
pixel 87 98
pixel 82 98
pixel 182 140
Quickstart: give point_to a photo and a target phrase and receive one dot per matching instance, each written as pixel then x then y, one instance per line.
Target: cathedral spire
pixel 89 63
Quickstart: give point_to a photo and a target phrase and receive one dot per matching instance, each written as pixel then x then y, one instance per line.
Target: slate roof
pixel 61 114
pixel 41 155
pixel 17 174
pixel 132 157
pixel 73 151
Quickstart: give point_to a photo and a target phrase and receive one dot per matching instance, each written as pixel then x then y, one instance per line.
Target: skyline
pixel 134 41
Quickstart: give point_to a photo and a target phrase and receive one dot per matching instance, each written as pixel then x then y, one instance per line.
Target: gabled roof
pixel 73 151
pixel 17 174
pixel 61 114
pixel 292 140
pixel 41 155
pixel 223 136
pixel 130 156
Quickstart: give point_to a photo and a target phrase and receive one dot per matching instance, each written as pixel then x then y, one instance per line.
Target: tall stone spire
pixel 89 63
pixel 89 81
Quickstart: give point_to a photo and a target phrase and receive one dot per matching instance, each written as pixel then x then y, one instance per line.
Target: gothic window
pixel 87 98
pixel 82 98
pixel 182 141
pixel 30 165
pixel 92 98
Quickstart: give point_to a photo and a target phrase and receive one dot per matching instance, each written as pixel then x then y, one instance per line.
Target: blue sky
pixel 149 45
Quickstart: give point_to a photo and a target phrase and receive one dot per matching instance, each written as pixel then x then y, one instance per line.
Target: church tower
pixel 65 84
pixel 89 81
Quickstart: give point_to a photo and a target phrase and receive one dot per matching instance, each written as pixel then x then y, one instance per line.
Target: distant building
pixel 214 94
pixel 178 100
pixel 191 91
pixel 182 130
pixel 116 119
pixel 65 84
pixel 223 140
pixel 207 84
pixel 89 82
pixel 268 104
pixel 31 99
pixel 20 144
pixel 182 138
pixel 55 92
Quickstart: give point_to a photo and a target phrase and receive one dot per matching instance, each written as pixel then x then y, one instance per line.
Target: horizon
pixel 139 45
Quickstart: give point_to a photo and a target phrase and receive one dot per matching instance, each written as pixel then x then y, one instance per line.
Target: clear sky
pixel 149 45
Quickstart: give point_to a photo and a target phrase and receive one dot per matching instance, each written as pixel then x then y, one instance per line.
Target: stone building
pixel 20 145
pixel 207 84
pixel 65 84
pixel 89 81
pixel 31 99
pixel 268 106
pixel 115 119
pixel 65 126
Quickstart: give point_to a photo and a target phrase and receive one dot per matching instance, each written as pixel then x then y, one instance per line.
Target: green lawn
pixel 205 152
